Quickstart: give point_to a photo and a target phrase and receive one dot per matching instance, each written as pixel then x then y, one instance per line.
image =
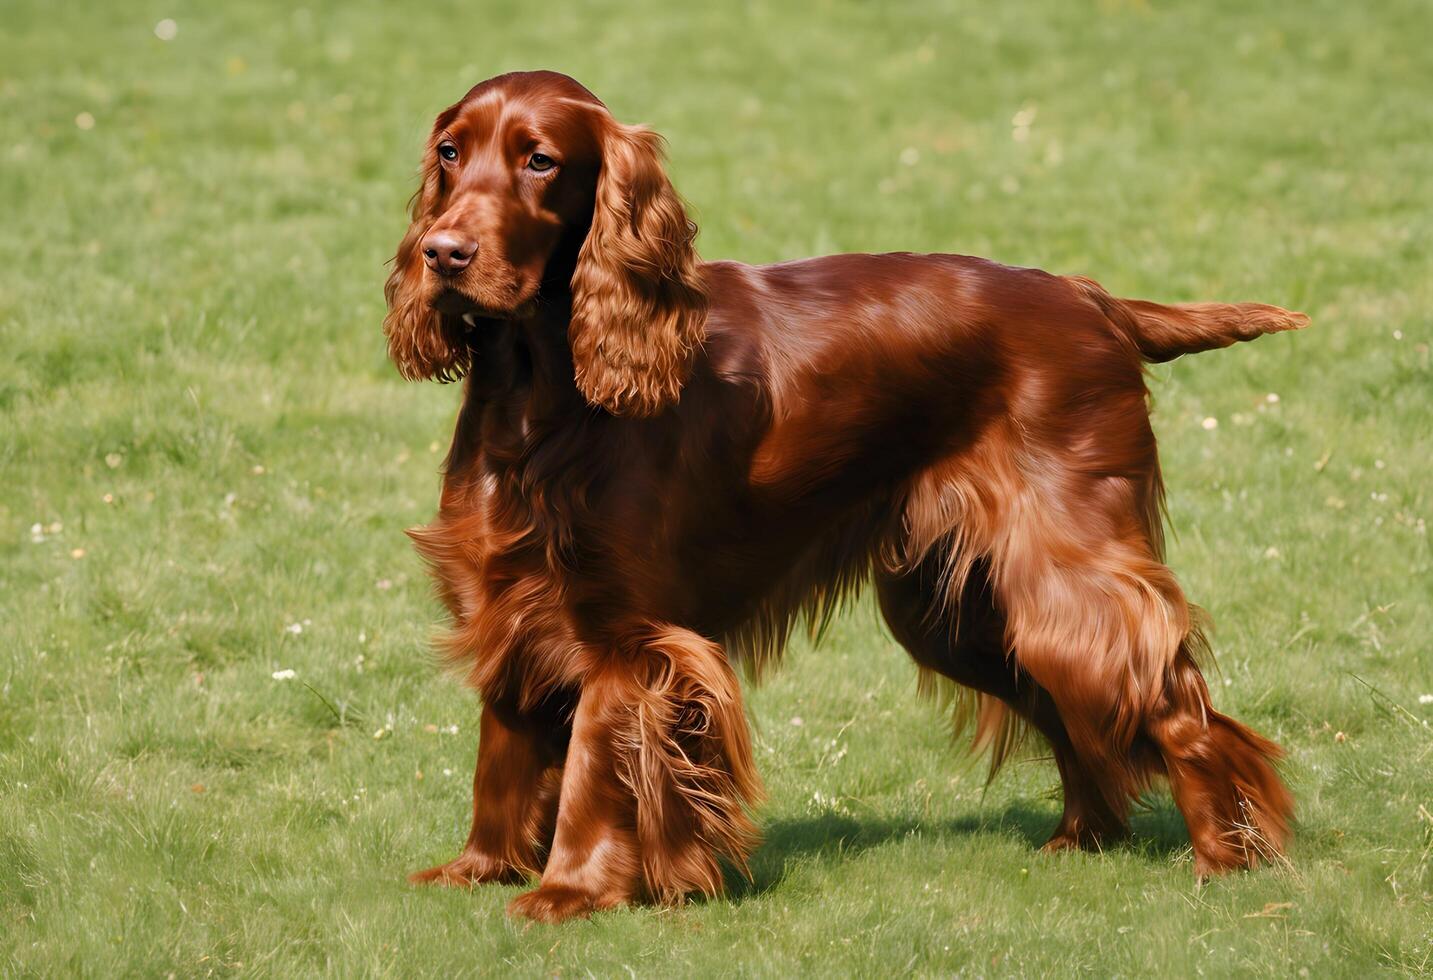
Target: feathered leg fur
pixel 658 781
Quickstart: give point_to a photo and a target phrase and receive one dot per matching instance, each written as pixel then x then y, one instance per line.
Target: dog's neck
pixel 521 386
pixel 539 356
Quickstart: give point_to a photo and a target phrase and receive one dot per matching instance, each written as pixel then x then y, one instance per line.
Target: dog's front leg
pixel 594 860
pixel 514 807
pixel 657 784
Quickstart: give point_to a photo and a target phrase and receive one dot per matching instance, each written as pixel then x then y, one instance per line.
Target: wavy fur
pixel 638 298
pixel 686 756
pixel 661 464
pixel 424 344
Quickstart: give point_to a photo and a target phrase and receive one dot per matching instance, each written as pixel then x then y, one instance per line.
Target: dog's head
pixel 526 172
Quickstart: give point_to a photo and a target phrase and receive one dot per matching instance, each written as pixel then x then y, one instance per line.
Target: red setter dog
pixel 660 463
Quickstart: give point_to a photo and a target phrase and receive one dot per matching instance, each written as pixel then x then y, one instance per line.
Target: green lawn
pixel 206 465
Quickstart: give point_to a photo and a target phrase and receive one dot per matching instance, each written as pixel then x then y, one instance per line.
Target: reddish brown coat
pixel 661 463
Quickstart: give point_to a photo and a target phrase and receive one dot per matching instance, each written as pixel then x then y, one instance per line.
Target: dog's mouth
pixel 454 301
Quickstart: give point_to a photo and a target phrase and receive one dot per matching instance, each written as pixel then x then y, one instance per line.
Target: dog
pixel 661 463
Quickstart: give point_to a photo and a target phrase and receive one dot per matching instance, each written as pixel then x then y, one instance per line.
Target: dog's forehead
pixel 548 84
pixel 526 90
pixel 539 112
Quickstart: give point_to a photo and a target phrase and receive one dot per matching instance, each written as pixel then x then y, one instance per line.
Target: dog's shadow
pixel 1158 833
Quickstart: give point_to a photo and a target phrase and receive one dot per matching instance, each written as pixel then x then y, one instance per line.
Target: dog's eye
pixel 448 151
pixel 540 163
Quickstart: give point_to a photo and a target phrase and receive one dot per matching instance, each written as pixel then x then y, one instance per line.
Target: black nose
pixel 447 252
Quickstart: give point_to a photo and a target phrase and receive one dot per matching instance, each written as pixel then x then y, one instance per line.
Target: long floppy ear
pixel 423 343
pixel 638 299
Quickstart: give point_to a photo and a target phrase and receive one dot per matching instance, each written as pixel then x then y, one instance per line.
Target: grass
pixel 206 464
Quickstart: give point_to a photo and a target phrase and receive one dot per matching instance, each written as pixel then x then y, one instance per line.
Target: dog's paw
pixel 556 903
pixel 1077 837
pixel 468 869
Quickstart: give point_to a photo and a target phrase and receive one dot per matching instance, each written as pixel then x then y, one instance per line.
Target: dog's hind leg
pixel 1098 621
pixel 964 640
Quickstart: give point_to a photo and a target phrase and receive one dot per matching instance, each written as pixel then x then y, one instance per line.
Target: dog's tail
pixel 1163 332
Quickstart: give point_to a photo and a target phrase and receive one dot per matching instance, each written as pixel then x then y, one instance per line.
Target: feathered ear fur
pixel 423 343
pixel 638 299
